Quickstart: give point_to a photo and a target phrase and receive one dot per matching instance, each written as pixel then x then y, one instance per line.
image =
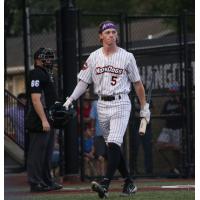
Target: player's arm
pixel 139 89
pixel 37 104
pixel 144 110
pixel 85 77
pixel 78 91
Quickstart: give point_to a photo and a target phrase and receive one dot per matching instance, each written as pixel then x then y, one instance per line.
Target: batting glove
pixel 145 112
pixel 68 103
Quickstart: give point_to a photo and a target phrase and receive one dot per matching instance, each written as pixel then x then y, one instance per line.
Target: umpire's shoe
pixel 55 186
pixel 39 188
pixel 129 188
pixel 101 189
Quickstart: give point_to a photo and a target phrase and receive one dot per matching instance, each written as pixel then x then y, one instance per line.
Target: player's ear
pixel 117 39
pixel 100 37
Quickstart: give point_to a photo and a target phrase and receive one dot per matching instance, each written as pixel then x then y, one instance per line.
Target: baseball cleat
pixel 128 189
pixel 100 189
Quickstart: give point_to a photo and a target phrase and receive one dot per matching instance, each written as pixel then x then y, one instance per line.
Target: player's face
pixel 109 36
pixel 38 62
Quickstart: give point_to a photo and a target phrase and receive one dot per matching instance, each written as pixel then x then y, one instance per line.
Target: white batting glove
pixel 145 112
pixel 68 103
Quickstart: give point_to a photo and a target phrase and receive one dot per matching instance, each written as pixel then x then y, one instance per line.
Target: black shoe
pixel 128 189
pixel 55 186
pixel 100 189
pixel 39 188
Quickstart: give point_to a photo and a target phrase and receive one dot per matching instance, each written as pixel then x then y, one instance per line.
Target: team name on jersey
pixel 108 69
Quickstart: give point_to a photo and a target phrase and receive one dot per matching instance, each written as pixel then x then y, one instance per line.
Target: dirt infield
pixel 16 185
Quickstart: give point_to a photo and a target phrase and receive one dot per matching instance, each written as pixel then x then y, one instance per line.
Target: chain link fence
pixel 157 43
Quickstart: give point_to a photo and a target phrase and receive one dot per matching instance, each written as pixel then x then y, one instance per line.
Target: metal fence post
pixel 188 93
pixel 27 63
pixel 69 70
pixel 27 45
pixel 122 36
pixel 82 166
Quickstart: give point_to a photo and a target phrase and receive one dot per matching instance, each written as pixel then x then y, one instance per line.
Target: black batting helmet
pixel 59 116
pixel 46 55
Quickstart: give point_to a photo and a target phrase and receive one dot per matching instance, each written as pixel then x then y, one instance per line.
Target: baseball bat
pixel 143 122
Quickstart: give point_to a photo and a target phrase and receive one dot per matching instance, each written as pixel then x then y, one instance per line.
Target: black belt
pixel 110 98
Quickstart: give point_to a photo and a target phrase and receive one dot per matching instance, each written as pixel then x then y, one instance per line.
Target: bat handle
pixel 143 125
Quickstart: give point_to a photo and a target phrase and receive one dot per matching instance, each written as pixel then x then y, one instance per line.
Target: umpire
pixel 41 95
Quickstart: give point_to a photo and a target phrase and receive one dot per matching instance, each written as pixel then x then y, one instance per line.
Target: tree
pixel 105 6
pixel 13 10
pixel 13 15
pixel 151 7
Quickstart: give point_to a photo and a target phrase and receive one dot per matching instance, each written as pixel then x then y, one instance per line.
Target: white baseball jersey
pixel 112 76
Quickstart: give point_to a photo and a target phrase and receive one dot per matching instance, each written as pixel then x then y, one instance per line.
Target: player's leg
pixel 118 125
pixel 102 165
pixel 100 154
pixel 176 136
pixel 115 161
pixel 164 146
pixel 86 166
pixel 104 121
pixel 129 187
pixel 47 177
pixel 47 159
pixel 113 158
pixel 163 139
pixel 38 144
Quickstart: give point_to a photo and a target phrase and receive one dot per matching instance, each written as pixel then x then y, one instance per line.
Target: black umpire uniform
pixel 41 142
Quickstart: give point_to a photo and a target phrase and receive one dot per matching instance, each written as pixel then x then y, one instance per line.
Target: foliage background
pixel 13 10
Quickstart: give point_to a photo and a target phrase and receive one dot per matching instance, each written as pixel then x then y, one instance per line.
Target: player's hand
pixel 68 103
pixel 46 126
pixel 145 112
pixel 90 155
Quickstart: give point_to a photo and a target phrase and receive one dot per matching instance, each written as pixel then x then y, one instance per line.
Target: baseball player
pixel 112 69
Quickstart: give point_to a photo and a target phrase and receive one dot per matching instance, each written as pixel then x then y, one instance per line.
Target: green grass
pixel 156 195
pixel 21 192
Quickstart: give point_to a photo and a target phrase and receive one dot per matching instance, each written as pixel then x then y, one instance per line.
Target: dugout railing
pixel 14 134
pixel 14 111
pixel 162 42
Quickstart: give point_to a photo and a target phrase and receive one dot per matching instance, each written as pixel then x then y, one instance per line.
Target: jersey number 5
pixel 114 80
